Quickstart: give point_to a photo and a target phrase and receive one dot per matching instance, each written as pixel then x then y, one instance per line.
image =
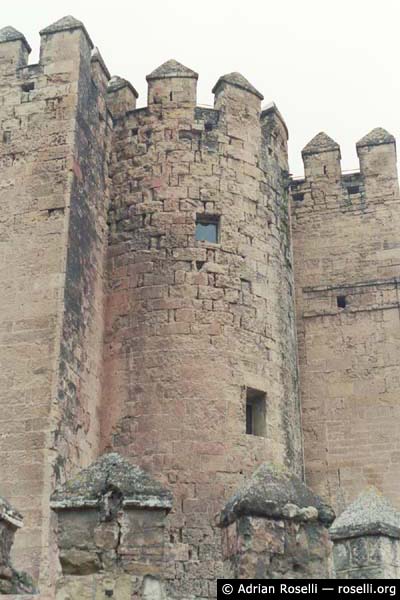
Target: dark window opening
pixel 208 126
pixel 255 412
pixel 299 197
pixel 28 87
pixel 325 170
pixel 170 96
pixel 135 131
pixel 341 301
pixel 200 264
pixel 354 189
pixel 6 137
pixel 207 228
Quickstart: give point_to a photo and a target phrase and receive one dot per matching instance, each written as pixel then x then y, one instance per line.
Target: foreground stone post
pixel 276 527
pixel 11 581
pixel 366 539
pixel 111 532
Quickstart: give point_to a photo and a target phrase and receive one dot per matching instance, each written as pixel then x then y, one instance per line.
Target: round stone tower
pixel 200 358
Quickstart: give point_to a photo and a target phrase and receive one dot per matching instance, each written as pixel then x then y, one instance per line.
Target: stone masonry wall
pixel 346 248
pixel 190 324
pixel 52 232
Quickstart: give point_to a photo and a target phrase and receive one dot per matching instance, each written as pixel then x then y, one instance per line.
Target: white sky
pixel 330 65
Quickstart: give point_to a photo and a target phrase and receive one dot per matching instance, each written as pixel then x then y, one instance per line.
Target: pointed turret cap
pixel 272 108
pixel 9 34
pixel 320 143
pixel 273 492
pixel 97 57
pixel 237 80
pixel 172 68
pixel 67 23
pixel 111 472
pixel 117 83
pixel 370 514
pixel 376 137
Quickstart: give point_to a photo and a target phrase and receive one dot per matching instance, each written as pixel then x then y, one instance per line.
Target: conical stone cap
pixel 376 137
pixel 276 493
pixel 68 23
pixel 9 34
pixel 111 472
pixel 172 68
pixel 320 143
pixel 97 57
pixel 117 83
pixel 237 80
pixel 370 514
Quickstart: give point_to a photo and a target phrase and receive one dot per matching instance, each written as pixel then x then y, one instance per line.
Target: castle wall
pixel 190 324
pixel 346 248
pixel 52 233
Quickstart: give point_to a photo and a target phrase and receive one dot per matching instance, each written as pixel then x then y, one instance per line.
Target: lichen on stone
pixel 111 472
pixel 276 493
pixel 370 514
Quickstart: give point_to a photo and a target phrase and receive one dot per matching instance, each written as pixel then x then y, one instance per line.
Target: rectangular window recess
pixel 28 87
pixel 354 189
pixel 341 301
pixel 255 412
pixel 299 197
pixel 207 228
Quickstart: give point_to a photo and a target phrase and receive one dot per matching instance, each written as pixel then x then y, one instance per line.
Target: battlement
pixel 149 264
pixel 324 180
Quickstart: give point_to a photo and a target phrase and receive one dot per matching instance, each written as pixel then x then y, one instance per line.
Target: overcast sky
pixel 329 65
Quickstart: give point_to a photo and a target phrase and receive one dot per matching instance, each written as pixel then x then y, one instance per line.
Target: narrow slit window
pixel 255 412
pixel 207 228
pixel 341 301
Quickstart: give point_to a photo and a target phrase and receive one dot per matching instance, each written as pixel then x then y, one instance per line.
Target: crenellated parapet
pixel 326 186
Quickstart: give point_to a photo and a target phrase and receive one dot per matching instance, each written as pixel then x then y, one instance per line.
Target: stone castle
pixel 199 355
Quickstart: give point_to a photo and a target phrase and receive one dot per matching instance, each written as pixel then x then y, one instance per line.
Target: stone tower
pixel 346 248
pixel 54 146
pixel 199 340
pixel 148 329
pixel 167 228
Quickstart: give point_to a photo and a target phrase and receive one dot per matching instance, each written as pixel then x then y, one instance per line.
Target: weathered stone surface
pixel 117 83
pixel 68 23
pixel 320 143
pixel 11 581
pixel 9 34
pixel 155 351
pixel 237 80
pixel 54 148
pixel 375 137
pixel 346 252
pixel 370 514
pixel 172 68
pixel 276 493
pixel 111 472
